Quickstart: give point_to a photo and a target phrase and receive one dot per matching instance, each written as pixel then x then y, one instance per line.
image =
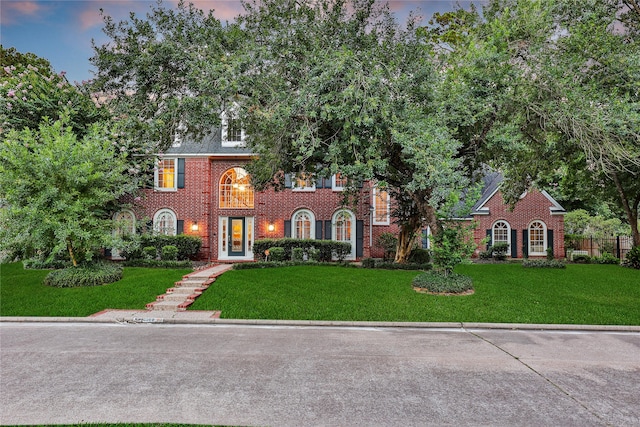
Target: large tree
pixel 339 87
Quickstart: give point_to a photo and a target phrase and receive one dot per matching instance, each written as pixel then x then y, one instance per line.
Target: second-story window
pixel 304 182
pixel 166 175
pixel 381 206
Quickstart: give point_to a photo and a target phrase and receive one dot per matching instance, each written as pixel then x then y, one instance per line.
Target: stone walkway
pixel 172 304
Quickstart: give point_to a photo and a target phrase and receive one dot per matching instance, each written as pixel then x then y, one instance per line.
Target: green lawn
pixel 22 292
pixel 506 293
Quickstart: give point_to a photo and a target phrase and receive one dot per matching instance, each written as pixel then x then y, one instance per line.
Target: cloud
pixel 224 10
pixel 12 12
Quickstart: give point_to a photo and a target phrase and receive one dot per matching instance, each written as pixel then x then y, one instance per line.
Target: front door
pixel 237 237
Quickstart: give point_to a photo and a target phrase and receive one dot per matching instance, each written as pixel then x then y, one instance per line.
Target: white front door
pixel 235 241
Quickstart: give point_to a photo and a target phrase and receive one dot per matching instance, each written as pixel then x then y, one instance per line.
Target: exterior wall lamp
pixel 194 226
pixel 271 228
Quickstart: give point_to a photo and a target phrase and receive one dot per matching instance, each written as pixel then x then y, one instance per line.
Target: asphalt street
pixel 61 373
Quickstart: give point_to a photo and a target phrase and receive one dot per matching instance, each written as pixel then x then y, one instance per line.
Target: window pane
pixel 166 173
pixel 236 190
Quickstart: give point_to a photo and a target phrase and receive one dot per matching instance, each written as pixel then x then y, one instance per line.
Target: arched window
pixel 165 222
pixel 303 225
pixel 125 223
pixel 344 229
pixel 501 233
pixel 537 238
pixel 236 190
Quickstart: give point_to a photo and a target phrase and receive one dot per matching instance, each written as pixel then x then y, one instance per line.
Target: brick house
pixel 203 189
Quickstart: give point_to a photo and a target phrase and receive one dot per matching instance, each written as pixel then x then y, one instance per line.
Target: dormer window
pixel 232 132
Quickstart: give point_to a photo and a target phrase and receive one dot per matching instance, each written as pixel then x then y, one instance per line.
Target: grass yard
pixel 22 292
pixel 504 293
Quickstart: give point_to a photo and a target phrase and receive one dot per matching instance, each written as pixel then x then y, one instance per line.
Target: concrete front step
pixel 178 297
pixel 168 305
pixel 185 290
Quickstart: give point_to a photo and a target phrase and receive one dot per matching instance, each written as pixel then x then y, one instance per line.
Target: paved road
pixel 316 376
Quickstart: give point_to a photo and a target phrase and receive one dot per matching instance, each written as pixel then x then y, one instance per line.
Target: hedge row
pixel 438 283
pixel 327 249
pixel 188 246
pixel 543 263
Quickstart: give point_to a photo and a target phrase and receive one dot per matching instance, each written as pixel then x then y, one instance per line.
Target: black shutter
pixel 525 243
pixel 359 238
pixel 287 180
pixel 425 241
pixel 107 252
pixel 180 226
pixel 287 228
pixel 489 242
pixel 327 230
pixel 180 173
pixel 149 227
pixel 514 243
pixel 550 240
pixel 318 230
pixel 319 183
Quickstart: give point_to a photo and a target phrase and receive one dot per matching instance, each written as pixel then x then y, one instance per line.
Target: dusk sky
pixel 61 30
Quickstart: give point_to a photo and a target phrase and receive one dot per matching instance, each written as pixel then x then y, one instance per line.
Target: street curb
pixel 316 323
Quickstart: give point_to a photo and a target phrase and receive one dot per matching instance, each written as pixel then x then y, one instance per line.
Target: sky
pixel 61 31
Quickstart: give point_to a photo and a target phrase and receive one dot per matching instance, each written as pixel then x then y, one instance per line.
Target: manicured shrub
pixel 435 282
pixel 632 259
pixel 500 251
pixel 606 258
pixel 149 252
pixel 397 266
pixel 369 263
pixel 276 254
pixel 543 263
pixel 388 242
pixel 38 264
pixel 157 263
pixel 169 253
pixel 314 254
pixel 582 259
pixel 297 254
pixel 486 254
pixel 188 246
pixel 327 249
pixel 86 275
pixel 550 253
pixel 419 256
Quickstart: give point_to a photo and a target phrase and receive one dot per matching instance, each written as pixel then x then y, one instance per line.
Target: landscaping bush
pixel 188 246
pixel 326 249
pixel 38 264
pixel 543 263
pixel 632 259
pixel 397 266
pixel 156 263
pixel 419 256
pixel 276 254
pixel 297 254
pixel 86 275
pixel 550 256
pixel 388 242
pixel 582 259
pixel 438 283
pixel 369 263
pixel 486 254
pixel 169 253
pixel 606 258
pixel 149 252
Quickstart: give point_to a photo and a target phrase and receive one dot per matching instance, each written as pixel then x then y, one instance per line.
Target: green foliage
pixel 549 251
pixel 499 251
pixel 86 275
pixel 368 263
pixel 275 254
pixel 581 224
pixel 543 263
pixel 388 242
pixel 149 252
pixel 581 259
pixel 158 263
pixel 316 250
pixel 39 264
pixel 420 256
pixel 133 247
pixel 438 283
pixel 632 259
pixel 605 258
pixel 452 246
pixel 57 190
pixel 297 254
pixel 169 253
pixel 385 265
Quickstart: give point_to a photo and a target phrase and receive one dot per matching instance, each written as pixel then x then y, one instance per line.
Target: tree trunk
pixel 631 211
pixel 71 254
pixel 406 240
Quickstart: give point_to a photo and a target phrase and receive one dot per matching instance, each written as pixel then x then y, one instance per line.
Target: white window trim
pixel 493 236
pixel 312 228
pixel 294 185
pixel 544 238
pixel 334 186
pixel 374 195
pixel 352 237
pixel 225 125
pixel 156 175
pixel 157 215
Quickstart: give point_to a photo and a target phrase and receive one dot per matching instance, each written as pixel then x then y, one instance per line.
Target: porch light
pixel 194 226
pixel 271 227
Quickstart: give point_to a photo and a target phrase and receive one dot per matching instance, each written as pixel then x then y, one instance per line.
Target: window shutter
pixel 319 183
pixel 489 242
pixel 318 230
pixel 287 180
pixel 550 240
pixel 148 226
pixel 287 228
pixel 359 238
pixel 425 243
pixel 327 230
pixel 107 252
pixel 514 243
pixel 180 226
pixel 525 243
pixel 180 173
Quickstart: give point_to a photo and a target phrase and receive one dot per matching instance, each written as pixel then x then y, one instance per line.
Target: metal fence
pixel 617 246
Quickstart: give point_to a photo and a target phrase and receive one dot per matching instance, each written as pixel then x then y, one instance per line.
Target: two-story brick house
pixel 202 189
